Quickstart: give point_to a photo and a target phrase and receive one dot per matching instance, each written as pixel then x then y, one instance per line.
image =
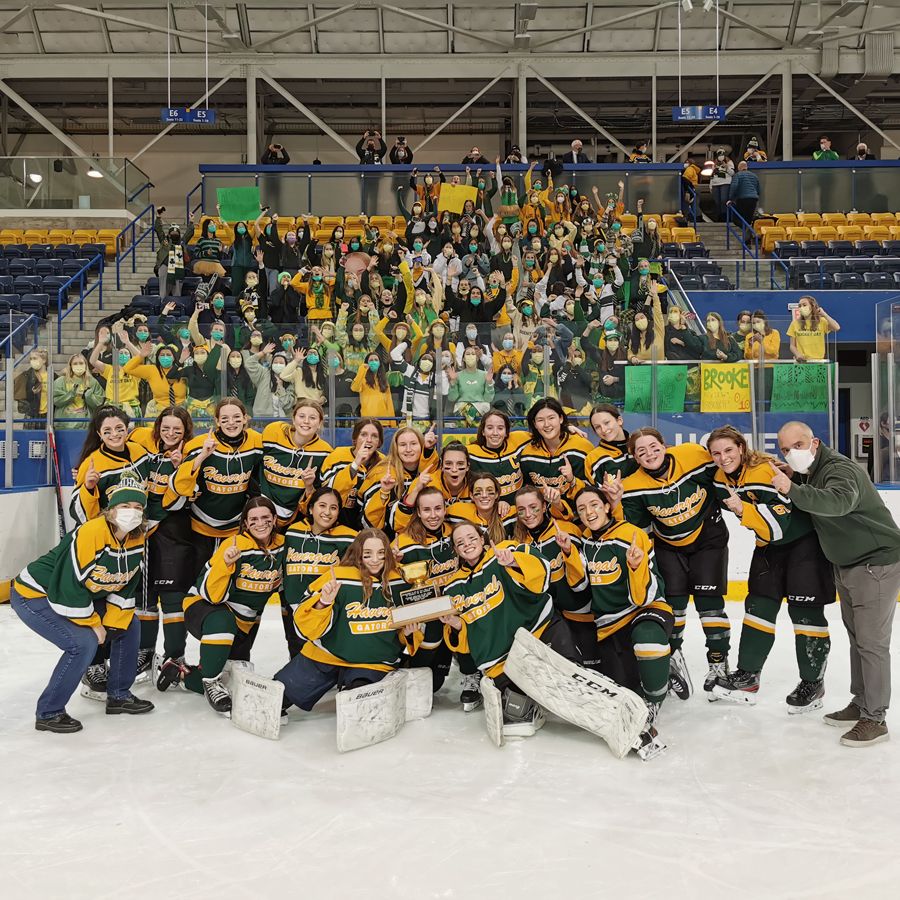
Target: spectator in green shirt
pixel 825 152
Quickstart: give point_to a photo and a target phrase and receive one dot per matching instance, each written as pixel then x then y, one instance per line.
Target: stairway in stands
pixel 713 235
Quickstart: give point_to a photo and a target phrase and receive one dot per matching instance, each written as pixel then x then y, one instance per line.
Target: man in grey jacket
pixel 859 536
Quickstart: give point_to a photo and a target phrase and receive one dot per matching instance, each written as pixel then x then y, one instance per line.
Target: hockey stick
pixel 60 510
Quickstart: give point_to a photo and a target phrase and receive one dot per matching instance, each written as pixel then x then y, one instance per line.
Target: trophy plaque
pixel 420 602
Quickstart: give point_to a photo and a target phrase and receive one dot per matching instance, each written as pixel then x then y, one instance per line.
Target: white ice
pixel 748 803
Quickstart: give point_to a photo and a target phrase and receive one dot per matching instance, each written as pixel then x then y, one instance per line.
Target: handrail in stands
pixel 730 229
pixel 81 275
pixel 187 202
pixel 120 256
pixel 7 351
pixel 141 191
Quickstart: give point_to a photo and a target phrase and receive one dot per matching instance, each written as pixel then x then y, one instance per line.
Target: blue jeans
pixel 79 646
pixel 307 681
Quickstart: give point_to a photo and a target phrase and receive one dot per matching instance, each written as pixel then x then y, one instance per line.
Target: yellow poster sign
pixel 454 196
pixel 725 387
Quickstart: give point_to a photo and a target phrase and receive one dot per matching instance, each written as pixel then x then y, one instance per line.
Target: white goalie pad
pixel 231 668
pixel 256 704
pixel 372 713
pixel 419 693
pixel 493 711
pixel 580 696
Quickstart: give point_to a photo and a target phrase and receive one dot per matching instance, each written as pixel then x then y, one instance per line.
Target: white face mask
pixel 800 460
pixel 128 519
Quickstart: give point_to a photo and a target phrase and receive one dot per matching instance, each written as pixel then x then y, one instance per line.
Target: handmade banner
pixel 725 387
pixel 454 196
pixel 670 386
pixel 239 204
pixel 800 388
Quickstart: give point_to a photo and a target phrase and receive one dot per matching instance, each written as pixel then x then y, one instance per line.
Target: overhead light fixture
pixel 527 10
pixel 35 177
pixel 708 5
pixel 93 173
pixel 708 167
pixel 848 7
pixel 687 5
pixel 522 41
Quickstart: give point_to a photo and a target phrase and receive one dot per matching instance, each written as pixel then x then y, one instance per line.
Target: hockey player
pixel 169 556
pixel 632 619
pixel 484 510
pixel 346 621
pixel 672 492
pixel 610 458
pixel 788 562
pixel 495 451
pixel 345 468
pixel 311 545
pixel 81 594
pixel 292 459
pixel 224 610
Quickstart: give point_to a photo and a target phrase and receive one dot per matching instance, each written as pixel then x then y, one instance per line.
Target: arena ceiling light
pixel 708 5
pixel 687 5
pixel 35 177
pixel 93 173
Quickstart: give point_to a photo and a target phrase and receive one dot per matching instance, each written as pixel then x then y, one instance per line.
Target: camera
pixel 402 140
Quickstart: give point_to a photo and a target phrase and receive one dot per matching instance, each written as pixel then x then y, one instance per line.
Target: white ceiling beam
pixel 105 29
pixel 575 108
pixel 38 40
pixel 643 11
pixel 854 32
pixel 135 23
pixel 309 24
pixel 761 31
pixel 409 14
pixel 309 114
pixel 14 18
pixel 812 32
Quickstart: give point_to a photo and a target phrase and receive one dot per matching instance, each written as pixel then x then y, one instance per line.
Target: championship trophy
pixel 420 602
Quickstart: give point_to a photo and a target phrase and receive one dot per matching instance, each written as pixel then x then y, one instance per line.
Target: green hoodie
pixel 854 526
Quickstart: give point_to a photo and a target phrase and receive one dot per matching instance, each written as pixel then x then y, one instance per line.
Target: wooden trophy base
pixel 422 611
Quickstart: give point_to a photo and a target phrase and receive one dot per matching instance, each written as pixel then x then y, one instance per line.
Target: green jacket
pixel 162 234
pixel 854 526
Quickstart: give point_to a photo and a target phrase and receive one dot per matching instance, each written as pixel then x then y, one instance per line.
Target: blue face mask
pixel 476 301
pixel 507 344
pixel 374 365
pixel 312 359
pixel 616 226
pixel 526 310
pixel 211 229
pixel 506 377
pixel 335 362
pixel 241 229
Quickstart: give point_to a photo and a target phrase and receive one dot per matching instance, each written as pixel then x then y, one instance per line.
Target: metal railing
pixel 81 276
pixel 793 264
pixel 752 272
pixel 730 229
pixel 121 255
pixel 187 203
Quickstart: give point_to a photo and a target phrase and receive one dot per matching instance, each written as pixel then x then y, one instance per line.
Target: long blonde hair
pixel 392 462
pixel 814 312
pixel 85 379
pixel 730 433
pixel 494 524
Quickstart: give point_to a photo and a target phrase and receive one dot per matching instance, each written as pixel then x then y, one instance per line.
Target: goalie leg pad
pixel 419 693
pixel 371 713
pixel 493 711
pixel 580 696
pixel 256 703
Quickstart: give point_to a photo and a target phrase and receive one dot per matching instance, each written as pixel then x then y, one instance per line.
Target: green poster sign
pixel 239 204
pixel 671 382
pixel 800 388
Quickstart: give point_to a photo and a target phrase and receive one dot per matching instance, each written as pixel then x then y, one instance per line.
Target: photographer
pixel 401 155
pixel 170 257
pixel 370 153
pixel 275 155
pixel 516 156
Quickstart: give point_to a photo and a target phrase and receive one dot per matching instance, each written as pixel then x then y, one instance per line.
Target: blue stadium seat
pixel 227 262
pixel 147 305
pixel 681 267
pixel 694 250
pixel 4 265
pixel 703 268
pixel 882 281
pixel 812 249
pixel 36 305
pixel 787 249
pixel 691 283
pixel 74 266
pixel 89 251
pixel 8 324
pixel 671 249
pixel 891 248
pixel 51 285
pixel 191 283
pixel 27 284
pixel 822 282
pixel 152 286
pixel 830 266
pixel 40 251
pixel 716 283
pixel 797 268
pixel 844 280
pixel 45 267
pixel 11 300
pixel 841 248
pixel 13 251
pixel 65 251
pixel 889 264
pixel 231 307
pixel 867 248
pixel 861 266
pixel 6 284
pixel 22 266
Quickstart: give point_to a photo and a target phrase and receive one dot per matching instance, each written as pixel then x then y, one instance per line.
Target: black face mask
pixel 175 238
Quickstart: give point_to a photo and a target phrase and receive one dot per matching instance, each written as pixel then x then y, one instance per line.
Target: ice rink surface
pixel 747 803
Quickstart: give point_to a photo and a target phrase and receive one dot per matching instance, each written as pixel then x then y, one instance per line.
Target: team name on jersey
pixel 604 571
pixel 681 511
pixel 479 604
pixel 158 483
pixel 558 481
pixel 252 579
pixel 359 611
pixel 101 577
pixel 290 473
pixel 217 483
pixel 311 558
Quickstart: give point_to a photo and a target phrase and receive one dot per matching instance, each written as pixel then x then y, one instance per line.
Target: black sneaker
pixel 172 672
pixel 806 697
pixel 217 695
pixel 131 705
pixel 738 687
pixel 61 724
pixel 93 683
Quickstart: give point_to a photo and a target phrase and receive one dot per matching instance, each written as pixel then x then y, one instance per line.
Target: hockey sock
pixel 466 664
pixel 716 629
pixel 651 649
pixel 294 641
pixel 679 609
pixel 219 629
pixel 149 619
pixel 758 631
pixel 812 640
pixel 174 630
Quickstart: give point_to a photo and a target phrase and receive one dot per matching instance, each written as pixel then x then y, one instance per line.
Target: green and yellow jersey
pixel 112 466
pixel 308 555
pixel 607 459
pixel 503 463
pixel 159 478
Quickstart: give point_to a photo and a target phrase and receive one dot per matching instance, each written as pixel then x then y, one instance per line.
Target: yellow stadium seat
pixel 323 235
pixel 82 236
pixel 399 223
pixel 825 232
pixel 8 237
pixel 628 221
pixel 35 236
pixel 850 232
pixel 809 219
pixel 876 232
pixel 895 232
pixel 789 220
pixel 330 222
pixel 284 226
pixel 60 236
pixel 683 235
pixel 669 220
pixel 886 219
pixel 798 233
pixel 108 236
pixel 311 221
pixel 859 219
pixel 382 222
pixel 665 235
pixel 770 234
pixel 834 219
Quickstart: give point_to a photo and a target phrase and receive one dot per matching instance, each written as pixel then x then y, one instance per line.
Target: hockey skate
pixel 522 717
pixel 93 683
pixel 680 683
pixel 144 666
pixel 806 697
pixel 217 695
pixel 172 673
pixel 649 745
pixel 738 687
pixel 718 668
pixel 470 697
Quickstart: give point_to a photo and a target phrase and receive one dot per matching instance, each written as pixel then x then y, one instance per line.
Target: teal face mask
pixel 617 226
pixel 143 336
pixel 211 229
pixel 166 361
pixel 123 358
pixel 526 310
pixel 313 359
pixel 219 302
pixel 184 334
pixel 374 365
pixel 217 335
